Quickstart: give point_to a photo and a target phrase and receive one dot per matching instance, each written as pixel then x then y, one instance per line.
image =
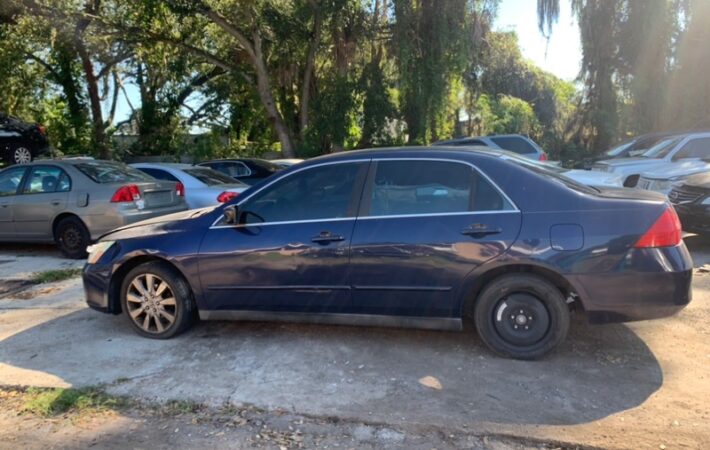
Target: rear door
pixel 44 195
pixel 423 226
pixel 10 182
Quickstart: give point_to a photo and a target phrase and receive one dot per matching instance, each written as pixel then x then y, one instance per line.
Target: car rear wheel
pixel 521 316
pixel 157 300
pixel 72 237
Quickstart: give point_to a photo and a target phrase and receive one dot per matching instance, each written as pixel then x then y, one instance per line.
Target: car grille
pixel 686 194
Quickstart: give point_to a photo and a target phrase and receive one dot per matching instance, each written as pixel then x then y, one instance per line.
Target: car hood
pixel 594 178
pixel 158 225
pixel 699 180
pixel 620 162
pixel 670 170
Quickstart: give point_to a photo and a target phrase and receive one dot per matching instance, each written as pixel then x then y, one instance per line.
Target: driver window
pixel 324 192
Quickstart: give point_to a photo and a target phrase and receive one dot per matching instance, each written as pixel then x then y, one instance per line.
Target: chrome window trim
pixel 355 161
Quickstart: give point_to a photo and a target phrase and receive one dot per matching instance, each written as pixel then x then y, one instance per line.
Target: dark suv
pixel 21 142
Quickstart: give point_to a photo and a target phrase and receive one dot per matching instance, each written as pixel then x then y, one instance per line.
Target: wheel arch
pixel 62 216
pixel 477 281
pixel 117 277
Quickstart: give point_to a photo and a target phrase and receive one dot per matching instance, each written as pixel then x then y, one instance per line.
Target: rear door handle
pixel 478 231
pixel 326 237
pixel 56 202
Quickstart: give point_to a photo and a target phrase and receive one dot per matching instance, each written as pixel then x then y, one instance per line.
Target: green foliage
pixel 51 276
pixel 53 401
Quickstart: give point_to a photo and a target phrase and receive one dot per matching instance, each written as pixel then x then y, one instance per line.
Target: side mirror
pixel 231 214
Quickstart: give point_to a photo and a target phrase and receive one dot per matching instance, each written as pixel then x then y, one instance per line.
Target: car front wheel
pixel 521 316
pixel 157 300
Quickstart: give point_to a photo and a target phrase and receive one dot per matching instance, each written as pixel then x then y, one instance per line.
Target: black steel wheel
pixel 521 316
pixel 72 237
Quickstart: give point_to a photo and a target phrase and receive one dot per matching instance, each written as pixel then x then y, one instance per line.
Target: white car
pixel 202 186
pixel 662 178
pixel 586 177
pixel 673 149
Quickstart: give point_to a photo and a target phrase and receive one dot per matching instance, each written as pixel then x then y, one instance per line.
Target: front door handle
pixel 478 230
pixel 326 237
pixel 56 202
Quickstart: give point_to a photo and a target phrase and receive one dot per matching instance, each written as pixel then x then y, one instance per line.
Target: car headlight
pixel 97 250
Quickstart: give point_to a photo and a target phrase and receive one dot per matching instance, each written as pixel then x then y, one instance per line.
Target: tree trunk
pixel 308 72
pixel 263 85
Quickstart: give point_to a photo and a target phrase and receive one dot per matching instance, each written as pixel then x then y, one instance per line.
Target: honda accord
pixel 412 237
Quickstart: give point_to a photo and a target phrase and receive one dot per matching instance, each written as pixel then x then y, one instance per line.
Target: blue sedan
pixel 413 237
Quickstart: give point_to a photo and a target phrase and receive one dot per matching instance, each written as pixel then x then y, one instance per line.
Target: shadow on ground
pixel 363 373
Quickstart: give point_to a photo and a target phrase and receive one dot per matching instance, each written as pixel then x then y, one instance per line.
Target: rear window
pixel 111 172
pixel 211 177
pixel 514 144
pixel 266 165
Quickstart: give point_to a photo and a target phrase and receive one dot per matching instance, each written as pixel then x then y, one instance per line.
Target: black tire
pixel 521 316
pixel 183 309
pixel 72 237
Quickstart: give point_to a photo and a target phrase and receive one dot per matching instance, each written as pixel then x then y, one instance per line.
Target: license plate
pixel 158 198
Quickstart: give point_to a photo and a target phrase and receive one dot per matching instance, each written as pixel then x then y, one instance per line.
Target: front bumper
pixel 651 283
pixel 97 278
pixel 695 218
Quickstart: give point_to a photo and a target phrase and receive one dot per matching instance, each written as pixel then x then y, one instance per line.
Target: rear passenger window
pixel 514 144
pixel 431 187
pixel 44 180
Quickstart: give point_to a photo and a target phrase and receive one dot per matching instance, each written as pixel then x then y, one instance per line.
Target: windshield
pixel 662 148
pixel 266 165
pixel 211 177
pixel 111 172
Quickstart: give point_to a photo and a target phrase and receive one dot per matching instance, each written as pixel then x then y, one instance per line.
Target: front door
pixel 290 251
pixel 10 180
pixel 44 195
pixel 423 226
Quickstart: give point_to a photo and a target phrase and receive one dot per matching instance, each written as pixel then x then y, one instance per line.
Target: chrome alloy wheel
pixel 22 155
pixel 151 303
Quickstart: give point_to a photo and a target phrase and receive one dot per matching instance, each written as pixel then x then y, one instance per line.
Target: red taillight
pixel 42 130
pixel 543 156
pixel 665 232
pixel 226 196
pixel 180 189
pixel 128 193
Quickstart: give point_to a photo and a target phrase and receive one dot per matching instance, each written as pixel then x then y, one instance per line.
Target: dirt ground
pixel 639 385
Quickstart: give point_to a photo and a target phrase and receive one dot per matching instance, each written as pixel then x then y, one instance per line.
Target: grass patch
pixel 52 401
pixel 51 276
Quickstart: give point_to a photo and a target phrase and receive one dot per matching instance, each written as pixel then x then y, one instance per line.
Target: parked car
pixel 417 237
pixel 201 186
pixel 691 199
pixel 246 170
pixel 628 148
pixel 586 177
pixel 516 143
pixel 662 178
pixel 286 163
pixel 671 149
pixel 73 202
pixel 21 142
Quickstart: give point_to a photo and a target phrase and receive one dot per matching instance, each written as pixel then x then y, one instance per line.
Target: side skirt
pixel 369 320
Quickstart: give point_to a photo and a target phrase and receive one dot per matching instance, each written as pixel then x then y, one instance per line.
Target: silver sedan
pixel 201 186
pixel 74 201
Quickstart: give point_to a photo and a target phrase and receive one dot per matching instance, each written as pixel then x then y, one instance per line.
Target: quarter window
pixel 324 192
pixel 45 180
pixel 431 187
pixel 10 180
